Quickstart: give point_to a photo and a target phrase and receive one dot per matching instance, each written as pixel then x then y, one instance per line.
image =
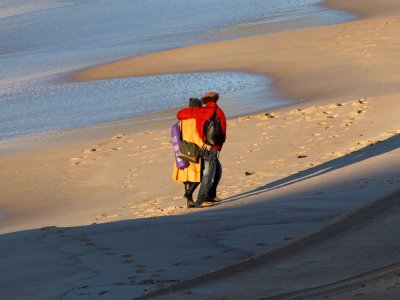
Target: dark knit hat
pixel 210 96
pixel 194 102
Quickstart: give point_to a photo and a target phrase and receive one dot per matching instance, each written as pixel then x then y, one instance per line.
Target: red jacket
pixel 202 114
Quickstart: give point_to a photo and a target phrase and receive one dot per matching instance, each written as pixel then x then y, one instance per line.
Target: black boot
pixel 190 191
pixel 188 194
pixel 190 203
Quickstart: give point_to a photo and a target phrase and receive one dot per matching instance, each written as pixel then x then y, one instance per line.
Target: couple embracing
pixel 195 127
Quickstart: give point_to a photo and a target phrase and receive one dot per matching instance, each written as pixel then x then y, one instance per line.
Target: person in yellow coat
pixel 190 176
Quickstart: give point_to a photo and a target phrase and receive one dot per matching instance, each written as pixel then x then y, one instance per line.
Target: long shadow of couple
pixel 367 152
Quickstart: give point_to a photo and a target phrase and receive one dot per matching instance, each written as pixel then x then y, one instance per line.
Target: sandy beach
pixel 310 190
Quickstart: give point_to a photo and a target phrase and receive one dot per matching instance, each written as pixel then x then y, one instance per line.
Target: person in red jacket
pixel 212 169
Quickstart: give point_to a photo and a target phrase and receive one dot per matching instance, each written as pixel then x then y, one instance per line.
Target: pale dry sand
pixel 286 173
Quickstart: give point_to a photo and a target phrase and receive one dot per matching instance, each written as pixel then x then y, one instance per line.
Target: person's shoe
pixel 203 204
pixel 215 199
pixel 188 196
pixel 190 203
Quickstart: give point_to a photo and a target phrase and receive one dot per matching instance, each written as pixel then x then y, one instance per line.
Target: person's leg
pixel 188 194
pixel 207 179
pixel 192 188
pixel 186 184
pixel 217 177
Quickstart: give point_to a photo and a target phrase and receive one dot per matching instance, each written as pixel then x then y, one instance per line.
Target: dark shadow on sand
pixel 367 152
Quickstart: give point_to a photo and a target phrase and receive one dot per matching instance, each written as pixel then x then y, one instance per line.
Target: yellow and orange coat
pixel 193 172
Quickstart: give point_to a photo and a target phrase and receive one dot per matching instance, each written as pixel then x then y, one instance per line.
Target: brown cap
pixel 210 96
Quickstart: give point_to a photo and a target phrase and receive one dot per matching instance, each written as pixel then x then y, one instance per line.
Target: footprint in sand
pixel 304 148
pixel 253 148
pixel 362 143
pixel 265 136
pixel 267 115
pixel 338 154
pixel 360 108
pixel 127 261
pixel 239 160
pixel 132 277
pixel 336 105
pixel 360 101
pixel 170 210
pixel 90 150
pixel 101 293
pixel 157 209
pixel 347 123
pixel 119 283
pixel 78 160
pixel 105 215
pixel 140 268
pixel 325 125
pixel 62 234
pixel 133 172
pixel 311 109
pixel 296 111
pixel 118 136
pixel 277 163
pixel 148 161
pixel 316 139
pixel 245 118
pixel 330 115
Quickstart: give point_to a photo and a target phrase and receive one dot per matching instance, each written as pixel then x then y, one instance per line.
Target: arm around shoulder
pixel 185 113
